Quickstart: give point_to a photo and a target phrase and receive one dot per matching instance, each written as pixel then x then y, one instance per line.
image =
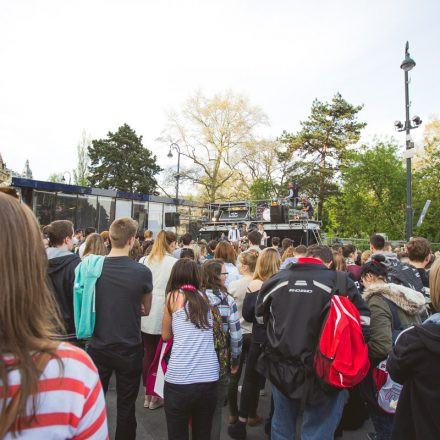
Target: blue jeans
pixel 319 421
pixel 383 423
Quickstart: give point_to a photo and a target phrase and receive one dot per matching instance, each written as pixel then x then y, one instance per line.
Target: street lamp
pixel 176 147
pixel 407 64
pixel 70 176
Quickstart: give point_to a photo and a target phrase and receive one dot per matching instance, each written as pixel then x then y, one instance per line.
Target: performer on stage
pixel 293 194
pixel 307 207
pixel 234 234
pixel 264 236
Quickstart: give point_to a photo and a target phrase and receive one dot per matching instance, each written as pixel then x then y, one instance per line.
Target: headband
pixel 189 287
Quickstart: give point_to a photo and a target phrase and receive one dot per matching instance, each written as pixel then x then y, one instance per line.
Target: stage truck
pixel 278 219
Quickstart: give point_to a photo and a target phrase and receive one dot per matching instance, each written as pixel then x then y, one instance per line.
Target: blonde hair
pixel 162 245
pixel 289 252
pixel 434 284
pixel 365 256
pixel 268 263
pixel 249 259
pixel 29 318
pixel 94 245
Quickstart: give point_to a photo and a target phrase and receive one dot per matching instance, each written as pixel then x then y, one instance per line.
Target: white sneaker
pixel 262 393
pixel 147 401
pixel 240 387
pixel 156 402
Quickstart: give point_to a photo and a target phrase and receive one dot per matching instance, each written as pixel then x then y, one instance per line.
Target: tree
pixel 321 143
pixel 121 162
pixel 81 173
pixel 372 197
pixel 56 178
pixel 215 133
pixel 425 182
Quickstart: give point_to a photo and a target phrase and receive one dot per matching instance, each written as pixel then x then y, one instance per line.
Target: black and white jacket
pixel 293 305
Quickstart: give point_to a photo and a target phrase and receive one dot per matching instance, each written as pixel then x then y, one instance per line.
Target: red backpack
pixel 341 358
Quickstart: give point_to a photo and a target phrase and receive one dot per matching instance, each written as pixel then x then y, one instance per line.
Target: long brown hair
pixel 268 263
pixel 211 274
pixel 161 245
pixel 187 272
pixel 28 315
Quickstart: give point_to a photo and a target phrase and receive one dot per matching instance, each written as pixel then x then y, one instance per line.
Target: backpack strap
pixel 340 285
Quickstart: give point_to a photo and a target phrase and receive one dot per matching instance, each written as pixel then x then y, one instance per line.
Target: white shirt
pixel 233 235
pixel 161 271
pixel 263 241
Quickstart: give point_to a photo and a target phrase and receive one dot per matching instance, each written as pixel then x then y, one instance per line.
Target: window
pixel 65 208
pixel 43 206
pixel 168 208
pixel 106 212
pixel 123 208
pixel 140 214
pixel 155 213
pixel 87 211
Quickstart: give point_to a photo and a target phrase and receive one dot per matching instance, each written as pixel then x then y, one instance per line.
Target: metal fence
pixel 364 243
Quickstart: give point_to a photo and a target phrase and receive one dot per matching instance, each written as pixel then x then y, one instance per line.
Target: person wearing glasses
pixel 214 275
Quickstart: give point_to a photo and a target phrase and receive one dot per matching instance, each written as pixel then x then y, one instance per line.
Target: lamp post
pixel 176 147
pixel 408 64
pixel 70 176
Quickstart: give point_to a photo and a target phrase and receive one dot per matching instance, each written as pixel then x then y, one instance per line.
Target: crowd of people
pixel 191 320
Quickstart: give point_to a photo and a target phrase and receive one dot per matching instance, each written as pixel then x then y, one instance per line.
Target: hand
pixel 234 369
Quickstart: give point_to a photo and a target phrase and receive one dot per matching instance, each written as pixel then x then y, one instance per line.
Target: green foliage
pixel 56 178
pixel 81 172
pixel 318 149
pixel 121 162
pixel 261 189
pixel 373 192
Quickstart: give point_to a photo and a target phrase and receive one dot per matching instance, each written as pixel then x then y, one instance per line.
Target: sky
pixel 68 66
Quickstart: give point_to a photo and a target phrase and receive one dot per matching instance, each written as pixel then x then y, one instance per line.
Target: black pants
pixel 127 365
pixel 195 401
pixel 252 382
pixel 235 378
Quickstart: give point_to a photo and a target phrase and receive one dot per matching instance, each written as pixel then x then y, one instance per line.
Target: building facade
pixel 96 207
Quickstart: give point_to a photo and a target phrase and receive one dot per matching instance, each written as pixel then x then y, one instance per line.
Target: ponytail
pixel 376 267
pixel 162 245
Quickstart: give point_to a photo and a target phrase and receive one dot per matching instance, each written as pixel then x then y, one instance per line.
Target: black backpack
pixel 405 275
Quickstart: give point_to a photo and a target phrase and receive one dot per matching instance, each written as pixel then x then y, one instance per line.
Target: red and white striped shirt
pixel 70 403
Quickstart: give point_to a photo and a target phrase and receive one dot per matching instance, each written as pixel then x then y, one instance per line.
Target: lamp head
pixel 170 154
pixel 408 63
pixel 417 121
pixel 398 125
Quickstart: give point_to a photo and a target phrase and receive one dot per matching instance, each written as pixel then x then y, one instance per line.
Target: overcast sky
pixel 73 65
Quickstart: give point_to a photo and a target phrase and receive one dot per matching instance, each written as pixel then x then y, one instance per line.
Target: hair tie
pixel 189 287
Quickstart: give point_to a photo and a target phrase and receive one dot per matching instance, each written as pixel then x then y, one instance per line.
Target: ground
pixel 152 425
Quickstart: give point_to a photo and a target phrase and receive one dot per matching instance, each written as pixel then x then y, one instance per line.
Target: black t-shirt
pixel 119 291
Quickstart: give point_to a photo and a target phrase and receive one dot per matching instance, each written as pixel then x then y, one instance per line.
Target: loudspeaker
pixel 278 214
pixel 172 219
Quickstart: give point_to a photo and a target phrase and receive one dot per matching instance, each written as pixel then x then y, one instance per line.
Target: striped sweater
pixel 70 403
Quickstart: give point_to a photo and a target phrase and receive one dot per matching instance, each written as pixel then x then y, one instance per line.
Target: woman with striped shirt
pixel 48 389
pixel 190 391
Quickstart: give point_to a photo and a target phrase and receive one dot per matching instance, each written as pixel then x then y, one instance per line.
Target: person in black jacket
pixel 292 305
pixel 414 363
pixel 61 271
pixel 268 263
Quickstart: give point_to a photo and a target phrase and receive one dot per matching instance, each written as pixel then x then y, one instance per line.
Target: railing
pixel 364 243
pixel 255 209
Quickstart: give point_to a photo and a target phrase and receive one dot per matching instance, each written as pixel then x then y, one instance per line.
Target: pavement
pixel 151 424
